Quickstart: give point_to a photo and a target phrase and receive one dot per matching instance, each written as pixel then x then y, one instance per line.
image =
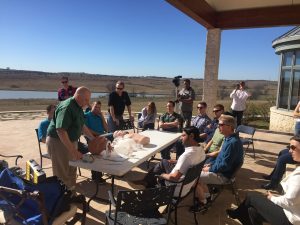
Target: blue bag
pixel 57 198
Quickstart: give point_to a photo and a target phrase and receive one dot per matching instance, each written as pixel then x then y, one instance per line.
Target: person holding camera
pixel 239 97
pixel 186 96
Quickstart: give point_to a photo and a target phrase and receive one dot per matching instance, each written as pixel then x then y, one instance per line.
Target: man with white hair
pixel 63 133
pixel 223 167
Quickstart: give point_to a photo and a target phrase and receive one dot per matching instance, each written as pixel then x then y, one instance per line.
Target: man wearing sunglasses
pixel 66 91
pixel 201 120
pixel 284 157
pixel 224 166
pixel 117 101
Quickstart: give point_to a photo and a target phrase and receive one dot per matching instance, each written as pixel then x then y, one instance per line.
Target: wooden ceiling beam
pixel 259 17
pixel 198 10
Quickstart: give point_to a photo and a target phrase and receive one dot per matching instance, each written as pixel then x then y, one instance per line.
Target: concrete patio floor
pixel 18 137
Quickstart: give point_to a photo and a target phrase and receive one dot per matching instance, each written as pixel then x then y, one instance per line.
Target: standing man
pixel 42 130
pixel 66 91
pixel 63 133
pixel 239 97
pixel 117 101
pixel 186 96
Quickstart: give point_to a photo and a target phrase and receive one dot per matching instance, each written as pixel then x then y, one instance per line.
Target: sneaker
pixel 198 207
pixel 231 213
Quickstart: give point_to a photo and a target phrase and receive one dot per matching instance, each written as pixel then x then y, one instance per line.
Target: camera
pixel 176 81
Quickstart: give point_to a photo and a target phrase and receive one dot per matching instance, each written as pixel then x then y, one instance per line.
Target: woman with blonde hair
pixel 148 116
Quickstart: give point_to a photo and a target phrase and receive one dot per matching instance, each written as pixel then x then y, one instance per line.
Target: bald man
pixel 63 134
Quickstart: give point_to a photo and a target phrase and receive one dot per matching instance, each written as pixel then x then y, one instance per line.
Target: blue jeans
pixel 284 157
pixel 297 129
pixel 112 126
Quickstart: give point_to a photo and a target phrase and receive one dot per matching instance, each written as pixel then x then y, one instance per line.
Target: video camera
pixel 176 81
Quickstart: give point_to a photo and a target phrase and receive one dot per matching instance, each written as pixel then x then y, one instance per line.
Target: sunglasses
pixel 292 147
pixel 217 110
pixel 120 88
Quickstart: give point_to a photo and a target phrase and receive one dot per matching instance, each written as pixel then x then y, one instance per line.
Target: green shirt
pixel 68 116
pixel 217 141
pixel 167 118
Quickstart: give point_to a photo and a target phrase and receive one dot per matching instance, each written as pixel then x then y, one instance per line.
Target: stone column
pixel 210 83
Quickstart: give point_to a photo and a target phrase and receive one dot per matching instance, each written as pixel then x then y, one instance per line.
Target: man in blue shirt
pixel 227 162
pixel 42 129
pixel 95 121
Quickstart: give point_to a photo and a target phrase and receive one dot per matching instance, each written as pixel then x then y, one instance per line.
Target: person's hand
pixel 76 155
pixel 269 195
pixel 117 122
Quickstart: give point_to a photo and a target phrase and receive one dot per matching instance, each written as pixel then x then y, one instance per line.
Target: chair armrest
pixel 13 156
pixel 111 198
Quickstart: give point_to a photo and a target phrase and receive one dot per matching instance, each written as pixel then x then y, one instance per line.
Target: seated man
pixel 284 157
pixel 95 121
pixel 42 129
pixel 213 147
pixel 202 121
pixel 172 169
pixel 169 121
pixel 209 130
pixel 223 167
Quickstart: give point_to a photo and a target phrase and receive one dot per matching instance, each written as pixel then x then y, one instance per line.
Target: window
pixel 297 57
pixel 296 89
pixel 284 89
pixel 287 59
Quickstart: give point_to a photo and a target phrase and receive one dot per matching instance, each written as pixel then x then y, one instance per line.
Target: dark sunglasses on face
pixel 120 88
pixel 216 110
pixel 293 147
pixel 222 124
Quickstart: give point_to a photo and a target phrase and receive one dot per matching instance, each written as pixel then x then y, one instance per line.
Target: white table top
pixel 158 141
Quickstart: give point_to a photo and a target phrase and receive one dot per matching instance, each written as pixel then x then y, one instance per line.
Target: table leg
pixel 95 197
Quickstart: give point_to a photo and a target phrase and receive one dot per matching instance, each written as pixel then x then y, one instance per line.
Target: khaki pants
pixel 60 157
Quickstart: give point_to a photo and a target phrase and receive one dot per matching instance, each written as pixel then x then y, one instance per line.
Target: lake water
pixel 8 94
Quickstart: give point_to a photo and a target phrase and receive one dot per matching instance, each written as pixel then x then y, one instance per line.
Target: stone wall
pixel 281 120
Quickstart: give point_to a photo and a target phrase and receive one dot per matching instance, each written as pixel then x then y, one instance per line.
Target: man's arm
pixel 207 146
pixel 129 112
pixel 112 113
pixel 168 124
pixel 88 132
pixel 64 138
pixel 104 123
pixel 172 176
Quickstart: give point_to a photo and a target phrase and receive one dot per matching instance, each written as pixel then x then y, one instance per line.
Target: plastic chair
pixel 191 177
pixel 42 155
pixel 247 136
pixel 140 206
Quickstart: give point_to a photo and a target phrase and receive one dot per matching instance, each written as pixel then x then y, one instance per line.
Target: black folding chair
pixel 42 155
pixel 190 178
pixel 216 190
pixel 140 206
pixel 247 136
pixel 13 156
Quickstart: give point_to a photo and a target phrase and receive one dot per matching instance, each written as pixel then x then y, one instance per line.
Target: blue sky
pixel 125 37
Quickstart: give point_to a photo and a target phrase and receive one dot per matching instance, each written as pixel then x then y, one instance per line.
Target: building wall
pixel 281 120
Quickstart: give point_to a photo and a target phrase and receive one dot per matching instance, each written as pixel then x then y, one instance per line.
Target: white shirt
pixel 191 156
pixel 239 98
pixel 290 201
